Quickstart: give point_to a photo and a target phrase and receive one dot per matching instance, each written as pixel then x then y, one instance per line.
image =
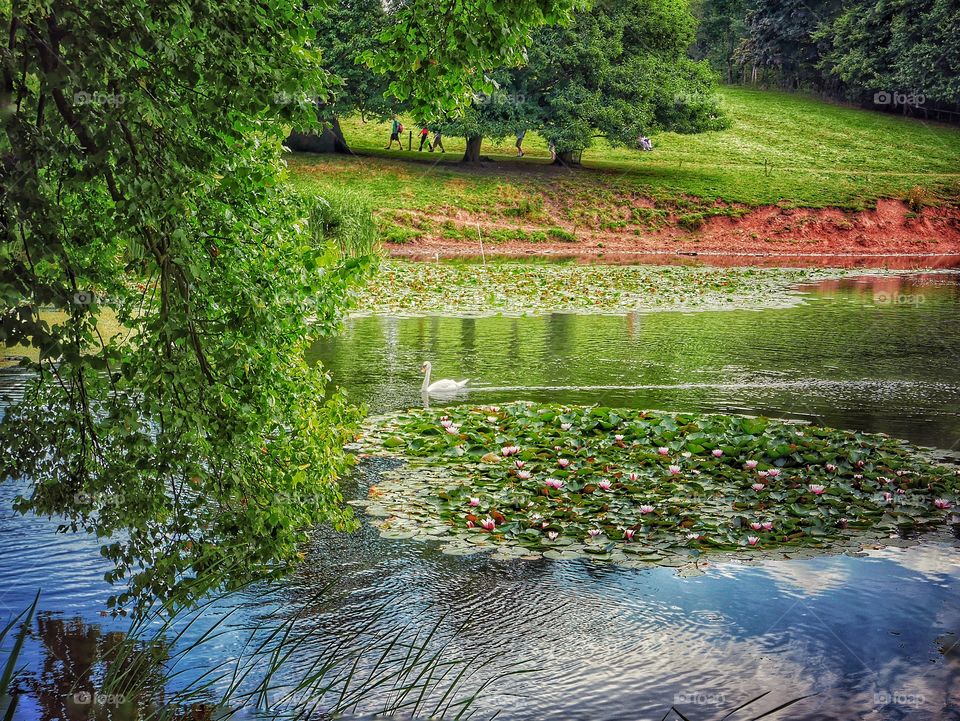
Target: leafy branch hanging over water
pixel 142 174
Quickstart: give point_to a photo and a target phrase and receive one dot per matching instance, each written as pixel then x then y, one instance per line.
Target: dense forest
pixel 893 56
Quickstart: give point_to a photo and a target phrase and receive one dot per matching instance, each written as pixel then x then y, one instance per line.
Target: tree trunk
pixel 472 153
pixel 331 140
pixel 567 158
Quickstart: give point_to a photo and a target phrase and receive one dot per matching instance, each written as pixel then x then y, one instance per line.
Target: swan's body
pixel 446 385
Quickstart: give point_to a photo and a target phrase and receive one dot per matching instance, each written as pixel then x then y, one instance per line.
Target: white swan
pixel 442 386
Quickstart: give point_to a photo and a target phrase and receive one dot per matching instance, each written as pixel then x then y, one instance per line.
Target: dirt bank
pixel 889 230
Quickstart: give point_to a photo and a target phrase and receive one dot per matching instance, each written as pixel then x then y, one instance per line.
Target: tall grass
pixel 282 672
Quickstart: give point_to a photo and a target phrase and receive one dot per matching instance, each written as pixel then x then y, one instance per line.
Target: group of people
pixel 396 129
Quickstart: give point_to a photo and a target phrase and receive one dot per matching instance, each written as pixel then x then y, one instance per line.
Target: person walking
pixel 395 129
pixel 437 142
pixel 552 149
pixel 425 138
pixel 520 135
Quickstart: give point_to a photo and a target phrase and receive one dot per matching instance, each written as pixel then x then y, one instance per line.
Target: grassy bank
pixel 780 149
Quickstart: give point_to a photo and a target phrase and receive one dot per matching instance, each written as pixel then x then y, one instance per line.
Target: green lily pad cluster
pixel 410 288
pixel 647 485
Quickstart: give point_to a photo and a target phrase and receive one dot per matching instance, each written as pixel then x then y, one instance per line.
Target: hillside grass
pixel 781 149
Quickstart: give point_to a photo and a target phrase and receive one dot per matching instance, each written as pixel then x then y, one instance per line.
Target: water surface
pixel 870 635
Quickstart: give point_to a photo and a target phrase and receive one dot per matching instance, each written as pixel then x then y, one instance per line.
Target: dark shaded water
pixel 867 634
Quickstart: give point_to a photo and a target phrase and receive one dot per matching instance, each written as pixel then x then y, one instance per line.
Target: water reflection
pixel 85 672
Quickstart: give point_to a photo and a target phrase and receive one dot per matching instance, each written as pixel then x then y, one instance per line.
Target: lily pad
pixel 632 486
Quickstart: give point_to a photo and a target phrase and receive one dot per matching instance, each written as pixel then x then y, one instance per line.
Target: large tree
pixel 346 32
pixel 143 190
pixel 620 70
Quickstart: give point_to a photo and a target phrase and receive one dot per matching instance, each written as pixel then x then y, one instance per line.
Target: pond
pixel 873 635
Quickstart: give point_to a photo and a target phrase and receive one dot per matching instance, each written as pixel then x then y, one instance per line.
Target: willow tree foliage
pixel 166 282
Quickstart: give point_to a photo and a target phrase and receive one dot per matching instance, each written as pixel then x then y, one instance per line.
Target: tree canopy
pixel 143 190
pixel 618 70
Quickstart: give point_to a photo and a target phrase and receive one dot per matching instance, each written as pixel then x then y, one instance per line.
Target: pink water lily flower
pixel 717 452
pixel 901 491
pixel 446 422
pixel 887 496
pixel 618 437
pixel 628 534
pixel 816 489
pixel 474 501
pixel 758 486
pixel 470 524
pixel 563 462
pixel 756 525
pixel 694 536
pixel 830 467
pixel 523 475
pixel 634 477
pixel 663 451
pixel 519 464
pixel 687 454
pixel 554 483
pixel 752 540
pixel 763 474
pixel 942 503
pixel 594 532
pixel 674 470
pixel 453 430
pixel 767 525
pixel 604 484
pixel 509 451
pixel 773 472
pixel 552 535
pixel 884 479
pixel 859 464
pixel 566 426
pixel 750 465
pixel 858 476
pixel 488 524
pixel 646 509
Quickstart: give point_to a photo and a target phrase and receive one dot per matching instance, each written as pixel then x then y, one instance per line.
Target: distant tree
pixel 618 71
pixel 781 37
pixel 721 27
pixel 346 32
pixel 896 48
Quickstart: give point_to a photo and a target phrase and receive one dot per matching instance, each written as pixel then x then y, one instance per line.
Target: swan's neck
pixel 426 379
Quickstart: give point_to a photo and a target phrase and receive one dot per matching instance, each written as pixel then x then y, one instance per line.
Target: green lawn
pixel 780 149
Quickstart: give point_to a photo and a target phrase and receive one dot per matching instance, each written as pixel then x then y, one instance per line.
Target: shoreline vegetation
pixel 791 175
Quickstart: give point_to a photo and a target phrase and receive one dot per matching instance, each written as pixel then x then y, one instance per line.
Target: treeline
pixel 894 55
